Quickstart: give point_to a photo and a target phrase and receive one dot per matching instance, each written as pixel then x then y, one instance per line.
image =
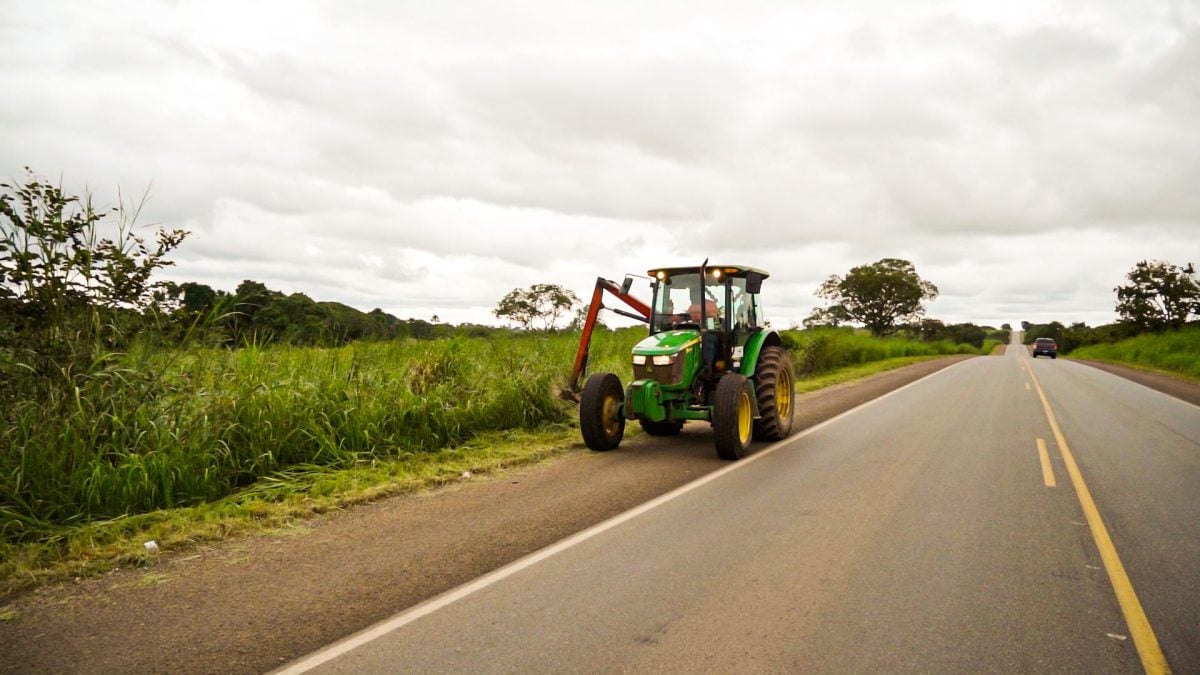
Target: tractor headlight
pixel 639 359
pixel 664 359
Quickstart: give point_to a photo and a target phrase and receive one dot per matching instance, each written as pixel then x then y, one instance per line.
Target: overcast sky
pixel 426 158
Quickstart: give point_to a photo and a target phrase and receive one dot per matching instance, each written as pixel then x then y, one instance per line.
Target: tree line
pixel 255 314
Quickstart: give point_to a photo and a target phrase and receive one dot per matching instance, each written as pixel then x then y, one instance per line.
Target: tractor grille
pixel 672 374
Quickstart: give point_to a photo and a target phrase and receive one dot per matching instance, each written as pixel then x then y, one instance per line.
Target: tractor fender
pixel 753 348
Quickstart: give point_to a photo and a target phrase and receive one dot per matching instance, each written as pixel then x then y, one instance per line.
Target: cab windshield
pixel 677 303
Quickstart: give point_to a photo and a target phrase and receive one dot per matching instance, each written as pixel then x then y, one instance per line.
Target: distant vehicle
pixel 1045 347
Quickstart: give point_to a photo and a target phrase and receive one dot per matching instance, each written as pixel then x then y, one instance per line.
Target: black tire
pixel 601 412
pixel 664 428
pixel 733 417
pixel 1054 356
pixel 776 391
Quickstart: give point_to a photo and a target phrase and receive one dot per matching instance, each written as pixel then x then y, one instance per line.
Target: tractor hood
pixel 669 342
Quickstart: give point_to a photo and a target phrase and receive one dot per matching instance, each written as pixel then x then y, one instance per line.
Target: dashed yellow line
pixel 1047 470
pixel 1148 649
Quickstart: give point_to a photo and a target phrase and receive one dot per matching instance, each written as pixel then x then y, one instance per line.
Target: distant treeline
pixel 255 314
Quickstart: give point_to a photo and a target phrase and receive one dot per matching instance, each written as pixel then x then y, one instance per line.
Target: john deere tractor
pixel 708 358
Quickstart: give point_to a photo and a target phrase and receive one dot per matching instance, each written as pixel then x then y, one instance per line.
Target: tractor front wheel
pixel 776 395
pixel 733 416
pixel 601 414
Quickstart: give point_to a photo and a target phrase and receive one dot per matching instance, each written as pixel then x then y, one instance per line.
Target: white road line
pixel 407 616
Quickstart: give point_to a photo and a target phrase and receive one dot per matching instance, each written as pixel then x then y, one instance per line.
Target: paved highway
pixel 1004 514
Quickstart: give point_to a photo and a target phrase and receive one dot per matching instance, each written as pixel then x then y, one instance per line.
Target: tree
pixel 1159 295
pixel 882 296
pixel 543 303
pixel 72 286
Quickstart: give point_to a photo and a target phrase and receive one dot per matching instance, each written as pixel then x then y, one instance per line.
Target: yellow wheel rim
pixel 612 419
pixel 783 395
pixel 745 418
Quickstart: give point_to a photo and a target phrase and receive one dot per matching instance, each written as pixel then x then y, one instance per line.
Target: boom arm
pixel 585 343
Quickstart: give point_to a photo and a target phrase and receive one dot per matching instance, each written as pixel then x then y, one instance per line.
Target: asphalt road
pixel 916 533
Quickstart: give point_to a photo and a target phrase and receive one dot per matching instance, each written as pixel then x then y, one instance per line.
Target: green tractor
pixel 708 357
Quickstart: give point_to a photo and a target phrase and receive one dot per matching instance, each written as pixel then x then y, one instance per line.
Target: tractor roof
pixel 727 270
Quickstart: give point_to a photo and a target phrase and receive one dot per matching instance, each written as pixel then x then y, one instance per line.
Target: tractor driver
pixel 710 312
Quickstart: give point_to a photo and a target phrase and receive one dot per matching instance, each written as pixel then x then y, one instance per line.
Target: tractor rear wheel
pixel 664 428
pixel 776 395
pixel 733 416
pixel 601 414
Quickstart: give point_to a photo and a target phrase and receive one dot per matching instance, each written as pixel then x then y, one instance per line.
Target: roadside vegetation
pixel 1173 352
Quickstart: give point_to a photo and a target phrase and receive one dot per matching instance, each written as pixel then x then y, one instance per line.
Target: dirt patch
pixel 253 604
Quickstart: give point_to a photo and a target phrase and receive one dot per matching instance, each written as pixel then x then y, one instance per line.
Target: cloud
pixel 427 159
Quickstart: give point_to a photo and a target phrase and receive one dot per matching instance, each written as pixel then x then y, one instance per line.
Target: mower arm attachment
pixel 585 343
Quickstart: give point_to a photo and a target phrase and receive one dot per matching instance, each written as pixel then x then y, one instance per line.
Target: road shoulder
pixel 1174 386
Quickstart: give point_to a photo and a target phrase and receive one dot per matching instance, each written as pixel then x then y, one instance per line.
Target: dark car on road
pixel 1045 347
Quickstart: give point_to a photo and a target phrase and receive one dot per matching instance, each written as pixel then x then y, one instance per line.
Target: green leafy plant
pixel 71 284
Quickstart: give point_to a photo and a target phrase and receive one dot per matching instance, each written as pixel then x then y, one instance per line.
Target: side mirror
pixel 626 285
pixel 754 283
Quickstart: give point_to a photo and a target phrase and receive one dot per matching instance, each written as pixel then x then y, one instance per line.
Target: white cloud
pixel 427 159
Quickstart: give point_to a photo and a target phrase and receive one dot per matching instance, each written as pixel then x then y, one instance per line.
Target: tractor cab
pixel 684 298
pixel 720 303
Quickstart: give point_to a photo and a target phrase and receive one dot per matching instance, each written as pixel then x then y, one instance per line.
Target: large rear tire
pixel 664 428
pixel 776 391
pixel 601 412
pixel 733 417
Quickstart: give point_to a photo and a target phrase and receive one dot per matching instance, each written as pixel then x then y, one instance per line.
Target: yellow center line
pixel 1149 651
pixel 1047 470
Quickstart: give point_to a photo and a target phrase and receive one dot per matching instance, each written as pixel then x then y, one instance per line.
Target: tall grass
pixel 162 429
pixel 817 351
pixel 1174 351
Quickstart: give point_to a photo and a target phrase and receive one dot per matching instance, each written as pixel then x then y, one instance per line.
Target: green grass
pixel 199 445
pixel 173 429
pixel 270 504
pixel 1176 352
